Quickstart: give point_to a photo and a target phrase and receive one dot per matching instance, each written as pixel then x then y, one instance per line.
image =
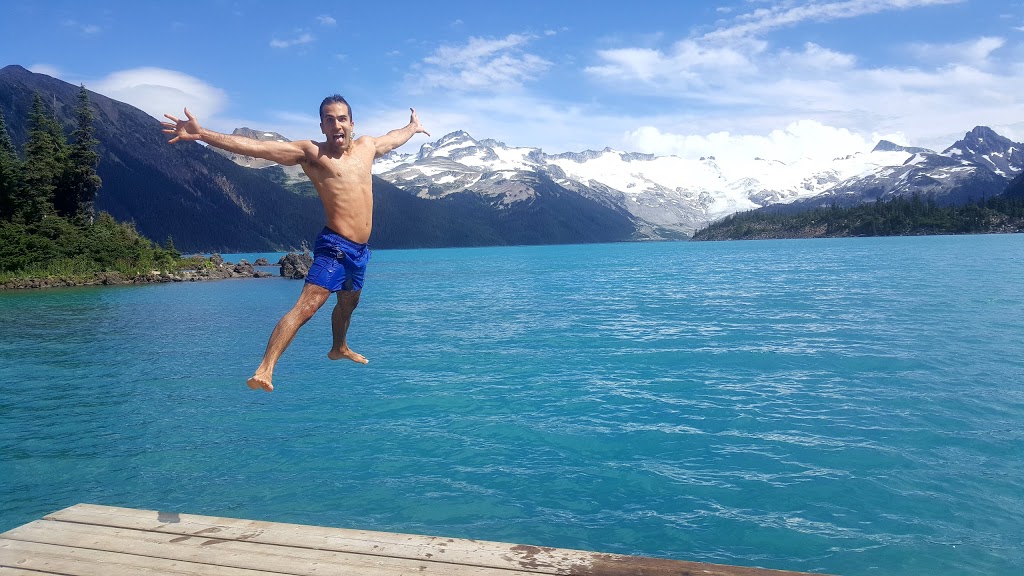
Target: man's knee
pixel 311 299
pixel 348 300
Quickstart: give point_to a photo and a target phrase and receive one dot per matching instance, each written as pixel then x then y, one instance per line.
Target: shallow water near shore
pixel 850 406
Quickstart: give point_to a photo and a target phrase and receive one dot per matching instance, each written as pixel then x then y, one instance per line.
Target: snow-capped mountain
pixel 997 153
pixel 677 195
pixel 291 176
pixel 249 161
pixel 671 197
pixel 963 172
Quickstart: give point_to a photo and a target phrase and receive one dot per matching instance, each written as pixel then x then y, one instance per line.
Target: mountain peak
pixel 259 134
pixel 457 136
pixel 982 132
pixel 446 145
pixel 984 146
pixel 982 139
pixel 887 146
pixel 21 74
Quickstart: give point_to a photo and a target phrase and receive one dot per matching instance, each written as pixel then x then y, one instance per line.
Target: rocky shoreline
pixel 294 265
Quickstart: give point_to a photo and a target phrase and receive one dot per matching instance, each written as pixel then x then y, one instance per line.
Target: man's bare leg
pixel 341 317
pixel 310 300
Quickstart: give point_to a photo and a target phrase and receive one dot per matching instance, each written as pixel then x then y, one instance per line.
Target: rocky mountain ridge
pixel 459 191
pixel 205 202
pixel 668 195
pixel 209 203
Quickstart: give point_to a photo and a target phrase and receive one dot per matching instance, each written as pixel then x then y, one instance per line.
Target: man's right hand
pixel 182 129
pixel 414 121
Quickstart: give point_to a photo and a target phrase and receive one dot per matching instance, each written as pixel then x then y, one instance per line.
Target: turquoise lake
pixel 850 406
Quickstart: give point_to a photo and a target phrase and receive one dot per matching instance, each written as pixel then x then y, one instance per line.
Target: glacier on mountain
pixel 669 192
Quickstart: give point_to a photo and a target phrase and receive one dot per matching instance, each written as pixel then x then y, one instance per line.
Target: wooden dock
pixel 89 540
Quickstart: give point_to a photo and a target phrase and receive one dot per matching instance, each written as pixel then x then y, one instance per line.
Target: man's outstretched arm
pixel 399 136
pixel 285 153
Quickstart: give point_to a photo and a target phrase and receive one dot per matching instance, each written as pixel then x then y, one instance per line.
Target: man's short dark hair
pixel 335 99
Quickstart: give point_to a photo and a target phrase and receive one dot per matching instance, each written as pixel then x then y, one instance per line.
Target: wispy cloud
pixel 791 13
pixel 747 85
pixel 326 20
pixel 303 38
pixel 977 52
pixel 486 65
pixel 47 69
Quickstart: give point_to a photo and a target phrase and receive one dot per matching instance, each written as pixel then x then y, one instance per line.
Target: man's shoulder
pixel 365 145
pixel 312 148
pixel 365 140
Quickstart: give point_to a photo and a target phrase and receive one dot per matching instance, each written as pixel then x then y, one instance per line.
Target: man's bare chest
pixel 344 169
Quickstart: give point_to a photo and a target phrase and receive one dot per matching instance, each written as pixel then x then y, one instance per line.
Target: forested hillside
pixel 48 224
pixel 898 217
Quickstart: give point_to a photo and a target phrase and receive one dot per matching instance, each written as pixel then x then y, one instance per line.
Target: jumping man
pixel 340 170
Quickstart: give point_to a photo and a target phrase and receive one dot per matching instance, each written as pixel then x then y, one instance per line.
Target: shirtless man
pixel 340 171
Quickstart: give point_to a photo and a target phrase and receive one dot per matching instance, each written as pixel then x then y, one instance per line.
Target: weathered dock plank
pixel 90 540
pixel 55 559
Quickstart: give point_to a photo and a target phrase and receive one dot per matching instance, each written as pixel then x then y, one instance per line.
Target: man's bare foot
pixel 258 382
pixel 347 352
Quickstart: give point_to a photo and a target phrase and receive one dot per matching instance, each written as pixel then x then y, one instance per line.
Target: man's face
pixel 337 126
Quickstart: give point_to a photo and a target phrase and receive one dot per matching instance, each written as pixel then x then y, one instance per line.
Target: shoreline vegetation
pixel 50 234
pixel 900 216
pixel 190 269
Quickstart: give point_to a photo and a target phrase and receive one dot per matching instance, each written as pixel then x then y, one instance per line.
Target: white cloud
pixel 800 139
pixel 47 69
pixel 304 38
pixel 789 14
pixel 482 65
pixel 747 86
pixel 158 91
pixel 326 20
pixel 817 58
pixel 688 65
pixel 977 52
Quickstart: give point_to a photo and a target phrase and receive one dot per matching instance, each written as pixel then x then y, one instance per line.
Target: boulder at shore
pixel 295 265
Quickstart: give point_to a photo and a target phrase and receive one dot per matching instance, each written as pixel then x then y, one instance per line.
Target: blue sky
pixel 777 79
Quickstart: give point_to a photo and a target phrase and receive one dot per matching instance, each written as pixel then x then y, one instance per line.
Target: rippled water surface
pixel 846 406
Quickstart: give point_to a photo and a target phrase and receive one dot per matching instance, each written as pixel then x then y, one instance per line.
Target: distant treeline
pixel 901 216
pixel 48 227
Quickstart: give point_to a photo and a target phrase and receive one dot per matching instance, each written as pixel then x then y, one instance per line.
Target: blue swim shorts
pixel 338 263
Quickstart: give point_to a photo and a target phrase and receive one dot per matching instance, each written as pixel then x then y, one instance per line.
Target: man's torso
pixel 345 187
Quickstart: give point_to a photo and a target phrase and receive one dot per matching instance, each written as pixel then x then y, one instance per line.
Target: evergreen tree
pixel 9 173
pixel 81 181
pixel 45 158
